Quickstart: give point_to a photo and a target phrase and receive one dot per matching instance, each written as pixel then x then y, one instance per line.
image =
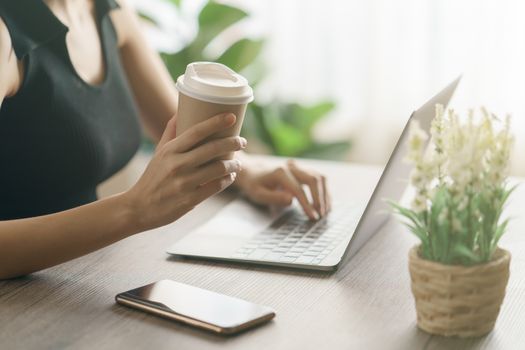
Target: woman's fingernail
pixel 233 176
pixel 239 164
pixel 244 142
pixel 229 118
pixel 316 215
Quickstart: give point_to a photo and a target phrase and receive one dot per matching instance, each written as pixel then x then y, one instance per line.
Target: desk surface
pixel 367 304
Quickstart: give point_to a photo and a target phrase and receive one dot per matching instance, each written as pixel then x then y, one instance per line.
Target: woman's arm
pixel 180 175
pixel 151 83
pixel 33 244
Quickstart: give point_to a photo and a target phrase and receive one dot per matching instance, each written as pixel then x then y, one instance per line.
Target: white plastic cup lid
pixel 215 83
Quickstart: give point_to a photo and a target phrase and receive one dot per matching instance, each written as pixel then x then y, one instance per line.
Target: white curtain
pixel 380 59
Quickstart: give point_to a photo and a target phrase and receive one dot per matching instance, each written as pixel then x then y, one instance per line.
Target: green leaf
pixel 176 63
pixel 438 233
pixel 288 141
pixel 256 123
pixel 500 231
pixel 255 72
pixel 213 19
pixel 410 214
pixel 415 226
pixel 241 54
pixel 466 255
pixel 305 117
pixel 149 19
pixel 176 2
pixel 508 192
pixel 331 150
pixel 420 233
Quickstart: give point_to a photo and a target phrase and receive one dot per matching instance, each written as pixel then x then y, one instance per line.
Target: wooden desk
pixel 365 305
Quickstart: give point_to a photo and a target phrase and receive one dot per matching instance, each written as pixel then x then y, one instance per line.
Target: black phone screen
pixel 196 306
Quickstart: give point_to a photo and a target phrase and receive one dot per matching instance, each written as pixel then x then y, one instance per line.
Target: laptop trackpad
pixel 225 232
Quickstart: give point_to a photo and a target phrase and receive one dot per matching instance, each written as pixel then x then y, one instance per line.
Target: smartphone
pixel 197 307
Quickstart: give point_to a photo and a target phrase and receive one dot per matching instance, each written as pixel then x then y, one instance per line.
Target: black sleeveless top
pixel 59 136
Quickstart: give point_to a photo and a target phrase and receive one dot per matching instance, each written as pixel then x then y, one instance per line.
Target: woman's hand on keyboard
pixel 279 186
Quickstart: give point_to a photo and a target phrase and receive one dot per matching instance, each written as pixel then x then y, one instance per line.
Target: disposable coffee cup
pixel 207 89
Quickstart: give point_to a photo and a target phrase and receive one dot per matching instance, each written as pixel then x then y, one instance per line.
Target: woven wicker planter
pixel 454 300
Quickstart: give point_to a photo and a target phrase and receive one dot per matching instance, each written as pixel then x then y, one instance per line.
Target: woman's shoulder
pixel 5 39
pixel 124 20
pixel 6 47
pixel 8 63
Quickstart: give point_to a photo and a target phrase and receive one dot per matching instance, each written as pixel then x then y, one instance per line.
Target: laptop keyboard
pixel 293 238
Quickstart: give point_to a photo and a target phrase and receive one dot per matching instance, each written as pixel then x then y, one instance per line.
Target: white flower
pixel 436 130
pixel 417 179
pixel 416 142
pixel 497 159
pixel 419 203
pixel 465 157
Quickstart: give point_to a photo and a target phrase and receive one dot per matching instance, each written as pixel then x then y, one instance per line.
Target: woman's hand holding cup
pixel 194 160
pixel 184 171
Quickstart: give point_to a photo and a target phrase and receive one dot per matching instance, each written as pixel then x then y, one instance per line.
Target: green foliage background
pixel 284 128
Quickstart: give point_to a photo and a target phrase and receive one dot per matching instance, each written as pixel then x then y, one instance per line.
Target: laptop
pixel 243 233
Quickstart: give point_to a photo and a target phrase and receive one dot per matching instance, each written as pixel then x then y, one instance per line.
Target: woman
pixel 77 80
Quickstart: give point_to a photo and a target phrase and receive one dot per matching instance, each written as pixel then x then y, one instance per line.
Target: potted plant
pixel 458 272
